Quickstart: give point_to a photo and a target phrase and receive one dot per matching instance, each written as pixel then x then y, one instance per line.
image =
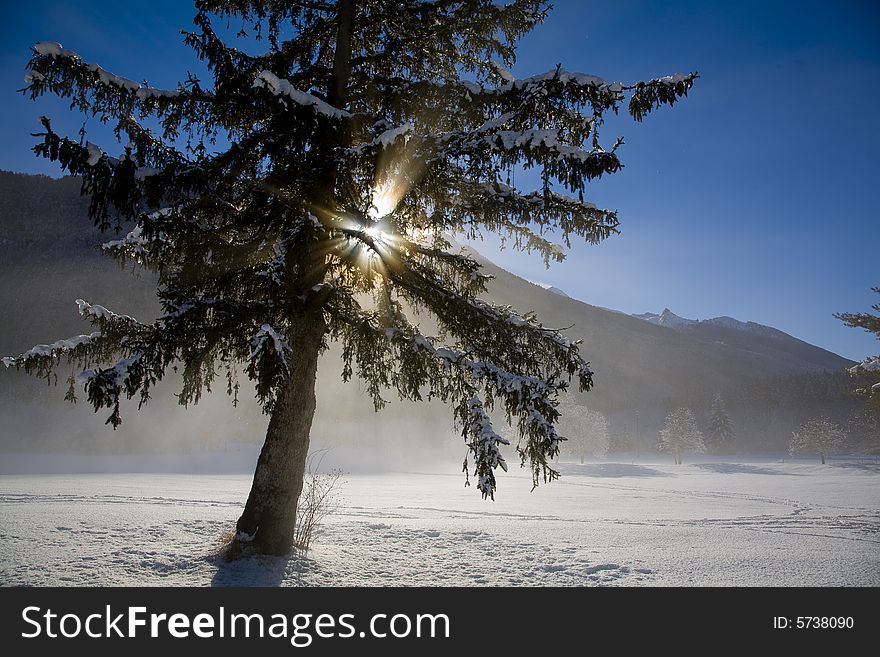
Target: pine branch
pixel 107 96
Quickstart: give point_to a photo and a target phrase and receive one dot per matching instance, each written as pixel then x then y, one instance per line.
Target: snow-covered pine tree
pixel 868 369
pixel 680 435
pixel 818 437
pixel 304 195
pixel 720 427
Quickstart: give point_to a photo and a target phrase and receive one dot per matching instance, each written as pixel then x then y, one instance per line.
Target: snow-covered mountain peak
pixel 667 318
pixel 670 320
pixel 550 288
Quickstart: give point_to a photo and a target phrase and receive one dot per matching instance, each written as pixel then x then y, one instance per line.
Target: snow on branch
pixel 558 75
pixel 98 92
pixel 268 339
pixel 105 77
pixel 509 140
pixel 548 209
pixel 94 155
pixel 506 314
pixel 104 387
pixel 388 137
pixel 282 88
pixel 483 444
pixel 149 239
pixel 268 365
pixel 53 49
pixel 526 397
pixel 504 382
pixel 100 313
pixel 521 341
pixel 870 364
pixel 115 335
pixel 49 351
pixel 118 186
pixel 570 164
pixel 646 96
pixel 502 72
pixel 132 244
pixel 384 140
pixel 868 368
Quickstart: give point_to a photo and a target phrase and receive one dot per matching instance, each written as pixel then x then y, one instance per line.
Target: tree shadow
pixel 742 468
pixel 867 467
pixel 259 570
pixel 610 470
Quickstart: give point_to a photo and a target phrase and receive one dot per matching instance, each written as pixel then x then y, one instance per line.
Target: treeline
pixel 767 411
pixel 763 412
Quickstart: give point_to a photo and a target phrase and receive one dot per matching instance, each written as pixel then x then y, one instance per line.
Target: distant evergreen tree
pixel 869 369
pixel 680 435
pixel 720 427
pixel 365 134
pixel 819 436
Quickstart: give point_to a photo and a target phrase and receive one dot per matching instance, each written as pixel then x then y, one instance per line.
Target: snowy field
pixel 604 523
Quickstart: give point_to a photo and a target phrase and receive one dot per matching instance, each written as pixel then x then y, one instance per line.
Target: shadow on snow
pixel 261 570
pixel 610 470
pixel 742 468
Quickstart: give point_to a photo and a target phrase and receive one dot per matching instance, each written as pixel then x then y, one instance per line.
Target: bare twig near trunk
pixel 318 500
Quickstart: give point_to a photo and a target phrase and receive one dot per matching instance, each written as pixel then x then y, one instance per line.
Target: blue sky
pixel 753 198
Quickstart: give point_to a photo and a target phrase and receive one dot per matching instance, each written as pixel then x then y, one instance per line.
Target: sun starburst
pixel 385 199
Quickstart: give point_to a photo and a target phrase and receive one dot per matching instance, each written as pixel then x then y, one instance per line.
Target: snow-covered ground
pixel 643 524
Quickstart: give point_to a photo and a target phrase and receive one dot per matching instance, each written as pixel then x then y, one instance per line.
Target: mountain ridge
pixel 822 359
pixel 671 320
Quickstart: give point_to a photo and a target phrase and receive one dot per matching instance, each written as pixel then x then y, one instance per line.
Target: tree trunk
pixel 267 523
pixel 342 54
